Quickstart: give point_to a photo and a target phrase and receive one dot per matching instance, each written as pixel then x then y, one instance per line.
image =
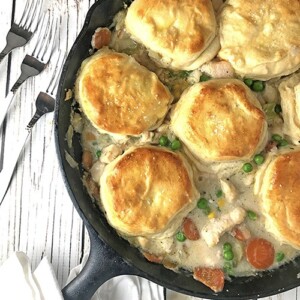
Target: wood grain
pixel 37 215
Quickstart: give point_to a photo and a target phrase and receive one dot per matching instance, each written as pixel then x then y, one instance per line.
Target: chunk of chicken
pixel 109 153
pixel 146 137
pixel 229 190
pixel 215 228
pixel 97 170
pixel 218 69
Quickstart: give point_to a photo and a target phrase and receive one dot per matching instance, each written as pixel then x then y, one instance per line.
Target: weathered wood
pixel 37 216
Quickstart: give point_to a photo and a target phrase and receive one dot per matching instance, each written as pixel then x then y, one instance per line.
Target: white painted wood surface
pixel 37 215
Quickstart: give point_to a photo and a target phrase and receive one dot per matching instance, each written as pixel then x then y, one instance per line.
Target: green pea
pixel 227 246
pixel 228 255
pixel 219 193
pixel 279 256
pixel 248 82
pixel 259 159
pixel 276 137
pixel 247 167
pixel 180 236
pixel 283 143
pixel 204 77
pixel 251 215
pixel 228 266
pixel 163 140
pixel 278 109
pixel 175 145
pixel 184 74
pixel 258 86
pixel 206 210
pixel 202 203
pixel 98 153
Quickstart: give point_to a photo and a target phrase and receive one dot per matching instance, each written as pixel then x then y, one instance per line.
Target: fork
pixel 19 34
pixel 35 63
pixel 45 103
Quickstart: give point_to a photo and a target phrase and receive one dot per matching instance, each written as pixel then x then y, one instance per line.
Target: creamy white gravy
pixel 190 254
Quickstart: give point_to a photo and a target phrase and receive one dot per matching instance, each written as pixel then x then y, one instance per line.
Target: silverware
pixel 19 34
pixel 35 63
pixel 45 103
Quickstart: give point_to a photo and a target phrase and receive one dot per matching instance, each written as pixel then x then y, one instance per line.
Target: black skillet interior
pixel 267 283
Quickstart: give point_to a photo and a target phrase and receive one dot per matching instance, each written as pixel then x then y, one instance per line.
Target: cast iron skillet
pixel 110 255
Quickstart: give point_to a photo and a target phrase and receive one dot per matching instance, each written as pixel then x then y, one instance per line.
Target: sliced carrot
pixel 213 278
pixel 260 253
pixel 190 230
pixel 101 38
pixel 241 234
pixel 153 258
pixel 87 159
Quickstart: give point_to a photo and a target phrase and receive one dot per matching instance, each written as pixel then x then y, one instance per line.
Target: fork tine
pixel 38 16
pixel 49 45
pixel 25 13
pixel 52 44
pixel 31 13
pixel 46 40
pixel 42 33
pixel 56 73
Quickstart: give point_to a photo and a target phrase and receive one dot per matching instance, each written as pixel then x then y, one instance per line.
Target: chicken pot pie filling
pixel 224 224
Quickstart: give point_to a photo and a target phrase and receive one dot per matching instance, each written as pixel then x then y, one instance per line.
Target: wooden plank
pixel 40 218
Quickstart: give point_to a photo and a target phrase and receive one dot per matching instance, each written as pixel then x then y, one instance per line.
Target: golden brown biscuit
pixel 178 34
pixel 119 96
pixel 261 38
pixel 220 120
pixel 147 192
pixel 289 90
pixel 278 185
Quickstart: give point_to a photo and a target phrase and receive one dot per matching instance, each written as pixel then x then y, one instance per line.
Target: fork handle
pixel 5 104
pixel 14 40
pixel 8 99
pixel 10 162
pixel 4 52
pixel 30 67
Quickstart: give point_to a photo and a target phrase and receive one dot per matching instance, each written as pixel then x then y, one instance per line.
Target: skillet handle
pixel 103 264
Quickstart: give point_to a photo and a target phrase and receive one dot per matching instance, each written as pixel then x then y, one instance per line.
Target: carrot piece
pixel 241 234
pixel 153 258
pixel 260 253
pixel 213 278
pixel 190 230
pixel 87 159
pixel 101 38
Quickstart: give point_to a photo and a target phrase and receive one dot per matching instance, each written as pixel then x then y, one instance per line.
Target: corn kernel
pixel 212 215
pixel 221 202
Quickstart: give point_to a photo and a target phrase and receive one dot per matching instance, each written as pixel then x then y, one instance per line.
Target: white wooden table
pixel 37 215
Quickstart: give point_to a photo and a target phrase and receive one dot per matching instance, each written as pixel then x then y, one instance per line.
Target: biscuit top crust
pixel 261 39
pixel 178 31
pixel 219 120
pixel 282 199
pixel 145 190
pixel 120 96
